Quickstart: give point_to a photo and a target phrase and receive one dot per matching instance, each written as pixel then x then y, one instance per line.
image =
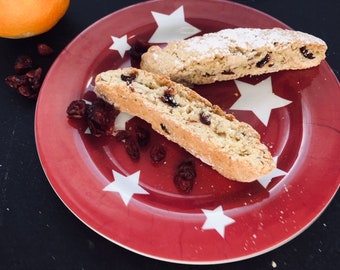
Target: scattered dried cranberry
pixel 100 117
pixel 98 114
pixel 132 149
pixel 157 153
pixel 122 135
pixel 137 51
pixel 27 79
pixel 15 81
pixel 23 64
pixel 76 109
pixel 26 91
pixel 185 176
pixel 44 49
pixel 205 118
pixel 28 84
pixel 90 96
pixel 143 136
pixel 34 78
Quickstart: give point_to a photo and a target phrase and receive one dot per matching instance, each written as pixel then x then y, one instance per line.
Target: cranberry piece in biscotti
pixel 263 61
pixel 168 97
pixel 205 118
pixel 306 53
pixel 128 78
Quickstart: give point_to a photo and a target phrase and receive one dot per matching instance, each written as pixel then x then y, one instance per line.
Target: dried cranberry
pixel 185 176
pixel 23 64
pixel 264 61
pixel 99 114
pixel 90 96
pixel 122 135
pixel 306 53
pixel 169 98
pixel 187 169
pixel 136 52
pixel 27 79
pixel 27 91
pixel 27 84
pixel 183 185
pixel 205 118
pixel 15 81
pixel 34 78
pixel 76 109
pixel 143 136
pixel 132 149
pixel 128 78
pixel 100 118
pixel 44 49
pixel 157 153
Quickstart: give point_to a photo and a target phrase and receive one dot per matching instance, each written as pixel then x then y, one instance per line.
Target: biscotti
pixel 231 147
pixel 234 53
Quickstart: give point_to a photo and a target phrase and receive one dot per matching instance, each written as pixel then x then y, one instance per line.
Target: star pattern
pixel 259 99
pixel 265 180
pixel 126 186
pixel 216 220
pixel 121 120
pixel 120 44
pixel 172 27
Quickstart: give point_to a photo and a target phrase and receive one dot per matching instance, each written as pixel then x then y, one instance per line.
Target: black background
pixel 38 232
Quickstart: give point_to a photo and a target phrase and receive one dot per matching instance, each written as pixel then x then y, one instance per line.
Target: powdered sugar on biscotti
pixel 233 53
pixel 245 38
pixel 231 147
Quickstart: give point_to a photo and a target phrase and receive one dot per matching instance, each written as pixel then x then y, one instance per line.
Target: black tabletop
pixel 38 232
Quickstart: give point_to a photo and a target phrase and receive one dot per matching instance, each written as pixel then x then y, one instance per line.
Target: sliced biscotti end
pixel 231 147
pixel 234 53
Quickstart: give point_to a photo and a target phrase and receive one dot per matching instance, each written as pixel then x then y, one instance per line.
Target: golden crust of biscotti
pixel 234 53
pixel 231 147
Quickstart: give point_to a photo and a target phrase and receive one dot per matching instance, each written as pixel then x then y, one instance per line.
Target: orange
pixel 26 18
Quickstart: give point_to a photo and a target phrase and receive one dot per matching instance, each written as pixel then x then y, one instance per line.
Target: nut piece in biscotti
pixel 231 147
pixel 233 53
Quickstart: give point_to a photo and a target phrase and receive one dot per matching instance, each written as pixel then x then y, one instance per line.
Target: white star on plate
pixel 216 220
pixel 120 45
pixel 126 186
pixel 265 180
pixel 172 27
pixel 258 98
pixel 121 119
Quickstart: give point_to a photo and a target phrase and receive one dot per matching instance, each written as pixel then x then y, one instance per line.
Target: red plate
pixel 220 220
